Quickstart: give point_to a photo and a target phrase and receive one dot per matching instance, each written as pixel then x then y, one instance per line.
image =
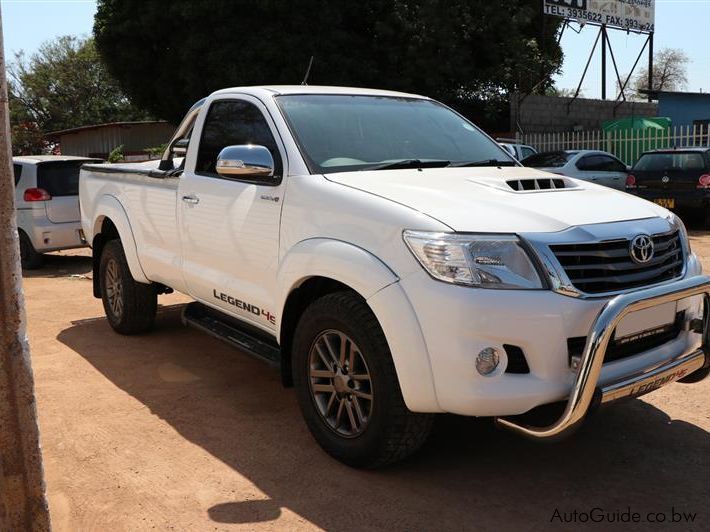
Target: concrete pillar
pixel 23 505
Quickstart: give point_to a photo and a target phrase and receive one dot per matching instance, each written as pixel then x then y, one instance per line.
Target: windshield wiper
pixel 409 163
pixel 485 162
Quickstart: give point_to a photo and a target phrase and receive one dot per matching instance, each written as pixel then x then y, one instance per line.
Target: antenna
pixel 308 72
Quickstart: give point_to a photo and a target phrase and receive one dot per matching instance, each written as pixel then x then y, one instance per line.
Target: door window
pixel 229 123
pixel 526 152
pixel 600 163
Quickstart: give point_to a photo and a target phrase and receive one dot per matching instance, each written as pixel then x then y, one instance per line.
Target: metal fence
pixel 627 145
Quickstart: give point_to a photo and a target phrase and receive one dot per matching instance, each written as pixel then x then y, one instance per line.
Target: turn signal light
pixel 704 181
pixel 37 194
pixel 630 181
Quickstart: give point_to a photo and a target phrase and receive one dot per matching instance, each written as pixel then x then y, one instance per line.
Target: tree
pixel 63 85
pixel 469 54
pixel 670 71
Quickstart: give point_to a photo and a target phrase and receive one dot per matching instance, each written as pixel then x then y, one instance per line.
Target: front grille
pixel 607 266
pixel 634 345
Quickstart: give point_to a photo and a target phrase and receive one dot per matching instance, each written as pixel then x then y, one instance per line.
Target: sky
pixel 682 24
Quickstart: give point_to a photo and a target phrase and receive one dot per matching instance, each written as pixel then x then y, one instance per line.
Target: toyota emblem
pixel 641 249
pixel 665 179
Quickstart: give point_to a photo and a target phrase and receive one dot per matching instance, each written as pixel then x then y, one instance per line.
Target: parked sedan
pixel 596 166
pixel 47 200
pixel 677 179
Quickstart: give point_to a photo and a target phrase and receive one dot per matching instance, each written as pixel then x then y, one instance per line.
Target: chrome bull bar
pixel 585 387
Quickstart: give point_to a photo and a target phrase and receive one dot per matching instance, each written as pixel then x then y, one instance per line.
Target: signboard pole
pixel 23 505
pixel 650 65
pixel 603 61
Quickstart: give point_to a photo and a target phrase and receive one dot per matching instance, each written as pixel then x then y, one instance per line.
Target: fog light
pixel 487 361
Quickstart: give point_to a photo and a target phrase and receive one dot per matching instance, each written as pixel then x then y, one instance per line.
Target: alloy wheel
pixel 340 383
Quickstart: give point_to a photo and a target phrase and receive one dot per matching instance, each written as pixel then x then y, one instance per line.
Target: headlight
pixel 678 224
pixel 485 261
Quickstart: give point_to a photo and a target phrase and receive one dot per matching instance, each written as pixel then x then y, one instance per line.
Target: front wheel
pixel 130 306
pixel 347 386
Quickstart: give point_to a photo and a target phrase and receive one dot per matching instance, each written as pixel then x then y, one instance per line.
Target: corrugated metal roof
pixel 99 126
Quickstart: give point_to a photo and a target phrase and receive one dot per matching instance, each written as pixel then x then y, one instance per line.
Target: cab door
pixel 230 226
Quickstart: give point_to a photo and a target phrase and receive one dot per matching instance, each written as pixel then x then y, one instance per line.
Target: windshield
pixel 665 162
pixel 554 159
pixel 341 133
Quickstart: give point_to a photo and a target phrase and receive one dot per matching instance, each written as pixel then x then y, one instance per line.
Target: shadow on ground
pixel 62 265
pixel 468 476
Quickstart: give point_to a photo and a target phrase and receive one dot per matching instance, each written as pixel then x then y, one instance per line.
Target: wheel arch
pixel 111 223
pixel 318 266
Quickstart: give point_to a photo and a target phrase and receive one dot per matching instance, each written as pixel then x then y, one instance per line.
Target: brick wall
pixel 548 114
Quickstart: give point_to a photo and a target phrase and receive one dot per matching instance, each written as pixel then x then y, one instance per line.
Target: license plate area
pixel 668 203
pixel 645 322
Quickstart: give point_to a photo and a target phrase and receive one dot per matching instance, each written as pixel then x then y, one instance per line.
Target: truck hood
pixel 495 200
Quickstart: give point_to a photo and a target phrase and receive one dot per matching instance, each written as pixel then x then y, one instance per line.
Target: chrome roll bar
pixel 590 365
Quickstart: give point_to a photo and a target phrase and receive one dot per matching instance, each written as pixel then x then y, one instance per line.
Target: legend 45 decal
pixel 243 305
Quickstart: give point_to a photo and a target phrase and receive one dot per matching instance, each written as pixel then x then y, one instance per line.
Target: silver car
pixel 590 165
pixel 47 205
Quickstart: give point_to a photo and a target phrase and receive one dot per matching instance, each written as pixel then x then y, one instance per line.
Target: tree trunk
pixel 23 505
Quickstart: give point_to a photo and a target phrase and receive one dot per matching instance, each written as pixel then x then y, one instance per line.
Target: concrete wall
pixel 684 109
pixel 549 114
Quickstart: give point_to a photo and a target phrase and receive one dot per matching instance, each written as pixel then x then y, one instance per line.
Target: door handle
pixel 192 200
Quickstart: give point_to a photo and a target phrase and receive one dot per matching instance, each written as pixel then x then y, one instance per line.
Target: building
pixel 683 108
pixel 100 140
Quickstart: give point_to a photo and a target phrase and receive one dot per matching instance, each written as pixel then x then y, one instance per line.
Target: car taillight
pixel 704 181
pixel 37 194
pixel 630 181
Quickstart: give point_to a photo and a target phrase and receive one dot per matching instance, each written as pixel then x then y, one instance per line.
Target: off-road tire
pixel 138 301
pixel 392 432
pixel 30 258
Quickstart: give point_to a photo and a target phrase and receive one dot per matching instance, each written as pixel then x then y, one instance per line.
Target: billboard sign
pixel 635 15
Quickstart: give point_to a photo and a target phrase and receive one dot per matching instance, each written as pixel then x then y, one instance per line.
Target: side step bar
pixel 240 335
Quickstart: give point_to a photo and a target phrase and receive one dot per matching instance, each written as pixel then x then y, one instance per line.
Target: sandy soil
pixel 177 431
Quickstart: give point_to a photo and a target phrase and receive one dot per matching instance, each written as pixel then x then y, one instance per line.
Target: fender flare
pixel 378 285
pixel 332 259
pixel 109 207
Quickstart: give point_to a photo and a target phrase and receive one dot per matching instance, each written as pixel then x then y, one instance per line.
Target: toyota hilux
pixel 396 263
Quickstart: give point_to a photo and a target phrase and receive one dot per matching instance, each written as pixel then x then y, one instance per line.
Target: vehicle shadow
pixel 61 264
pixel 468 476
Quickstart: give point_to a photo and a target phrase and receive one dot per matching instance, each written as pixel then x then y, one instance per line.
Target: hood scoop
pixel 530 185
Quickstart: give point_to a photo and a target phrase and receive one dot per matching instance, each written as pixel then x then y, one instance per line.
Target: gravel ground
pixel 176 431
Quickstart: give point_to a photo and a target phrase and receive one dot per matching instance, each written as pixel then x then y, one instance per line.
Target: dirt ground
pixel 176 431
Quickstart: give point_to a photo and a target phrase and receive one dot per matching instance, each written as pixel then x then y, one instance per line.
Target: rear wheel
pixel 29 257
pixel 347 386
pixel 130 306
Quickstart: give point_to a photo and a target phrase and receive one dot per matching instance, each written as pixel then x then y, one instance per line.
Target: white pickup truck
pixel 396 263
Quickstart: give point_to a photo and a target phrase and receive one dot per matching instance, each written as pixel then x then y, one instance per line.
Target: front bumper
pixel 586 384
pixel 456 323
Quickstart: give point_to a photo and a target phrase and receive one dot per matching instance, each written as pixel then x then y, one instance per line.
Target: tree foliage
pixel 670 71
pixel 469 54
pixel 63 85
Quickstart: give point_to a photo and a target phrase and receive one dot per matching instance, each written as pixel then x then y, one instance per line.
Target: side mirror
pixel 246 161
